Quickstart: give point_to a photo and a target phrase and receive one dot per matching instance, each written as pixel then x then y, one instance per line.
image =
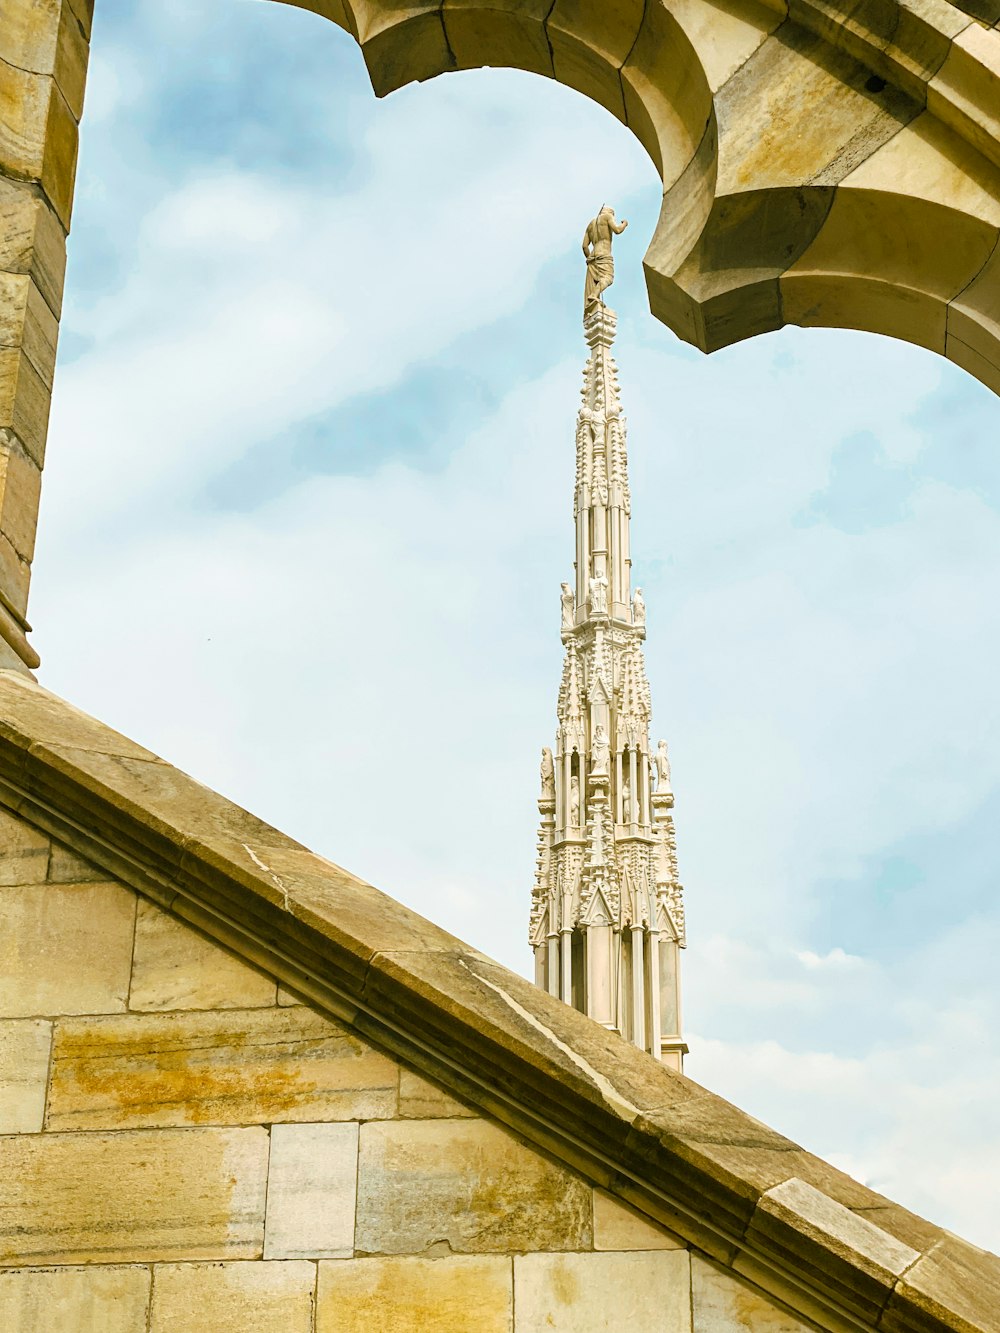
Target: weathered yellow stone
pixel 404 42
pixel 888 263
pixel 509 32
pixel 20 486
pixel 985 368
pixel 65 949
pixel 176 968
pixel 312 1182
pixel 232 1298
pixel 419 1099
pixel 45 37
pixel 590 41
pixel 334 10
pixel 27 322
pixel 148 1194
pixel 789 83
pixel 32 240
pixel 930 160
pixel 29 35
pixel 461 1294
pixel 726 36
pixel 74 1300
pixel 59 167
pixel 596 1293
pixel 66 867
pixel 24 105
pixel 24 401
pixel 619 1228
pixel 722 1303
pixel 667 98
pixel 965 91
pixel 15 573
pixel 468 1183
pixel 24 1066
pixel 229 1067
pixel 24 851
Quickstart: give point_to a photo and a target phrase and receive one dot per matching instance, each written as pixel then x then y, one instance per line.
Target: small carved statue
pixel 662 767
pixel 601 750
pixel 574 801
pixel 567 599
pixel 599 596
pixel 597 252
pixel 638 608
pixel 627 811
pixel 548 775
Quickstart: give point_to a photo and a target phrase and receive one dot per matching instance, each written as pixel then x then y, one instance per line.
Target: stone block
pixel 807 1229
pixel 66 867
pixel 723 1303
pixel 24 97
pixel 74 1300
pixel 467 1183
pixel 619 1228
pixel 32 716
pixel 176 968
pixel 27 322
pixel 20 486
pixel 505 33
pixel 231 1067
pixel 15 576
pixel 65 949
pixel 955 1285
pixel 145 1195
pixel 24 851
pixel 419 1099
pixel 24 401
pixel 32 240
pixel 232 1298
pixel 599 1293
pixel 460 1294
pixel 311 1191
pixel 24 1068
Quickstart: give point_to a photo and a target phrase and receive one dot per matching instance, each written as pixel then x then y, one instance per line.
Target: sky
pixel 307 507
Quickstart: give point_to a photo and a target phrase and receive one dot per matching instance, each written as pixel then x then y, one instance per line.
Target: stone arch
pixel 822 163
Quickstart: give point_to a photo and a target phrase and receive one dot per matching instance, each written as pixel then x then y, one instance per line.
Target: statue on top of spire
pixel 597 252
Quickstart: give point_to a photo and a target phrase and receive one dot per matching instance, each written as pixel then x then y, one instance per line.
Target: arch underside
pixel 822 165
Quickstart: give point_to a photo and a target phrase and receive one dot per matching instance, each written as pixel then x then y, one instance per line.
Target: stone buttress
pixel 607 916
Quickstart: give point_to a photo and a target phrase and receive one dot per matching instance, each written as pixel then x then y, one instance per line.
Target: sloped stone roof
pixel 829 1247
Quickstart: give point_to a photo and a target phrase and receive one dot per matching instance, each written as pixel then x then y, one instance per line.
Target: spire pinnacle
pixel 607 919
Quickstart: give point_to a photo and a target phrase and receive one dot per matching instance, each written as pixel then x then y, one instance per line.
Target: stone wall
pixel 186 1148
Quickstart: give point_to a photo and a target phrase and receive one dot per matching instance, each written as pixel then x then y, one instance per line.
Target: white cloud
pixel 835 958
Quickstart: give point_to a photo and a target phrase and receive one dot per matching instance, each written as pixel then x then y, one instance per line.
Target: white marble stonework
pixel 607 912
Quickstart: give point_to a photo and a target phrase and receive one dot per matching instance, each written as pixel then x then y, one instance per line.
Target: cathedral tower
pixel 607 915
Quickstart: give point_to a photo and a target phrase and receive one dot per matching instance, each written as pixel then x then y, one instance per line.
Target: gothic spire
pixel 607 919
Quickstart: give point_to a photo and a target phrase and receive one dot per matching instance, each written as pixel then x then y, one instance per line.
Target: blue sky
pixel 307 508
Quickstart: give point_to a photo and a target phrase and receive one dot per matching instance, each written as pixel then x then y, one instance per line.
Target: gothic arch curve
pixel 820 165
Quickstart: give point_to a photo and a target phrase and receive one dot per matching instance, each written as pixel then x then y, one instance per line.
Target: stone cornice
pixel 830 1248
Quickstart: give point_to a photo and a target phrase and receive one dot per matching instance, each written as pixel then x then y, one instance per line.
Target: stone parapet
pixel 573 1124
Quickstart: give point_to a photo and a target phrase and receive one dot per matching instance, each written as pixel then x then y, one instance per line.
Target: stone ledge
pixel 657 1140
